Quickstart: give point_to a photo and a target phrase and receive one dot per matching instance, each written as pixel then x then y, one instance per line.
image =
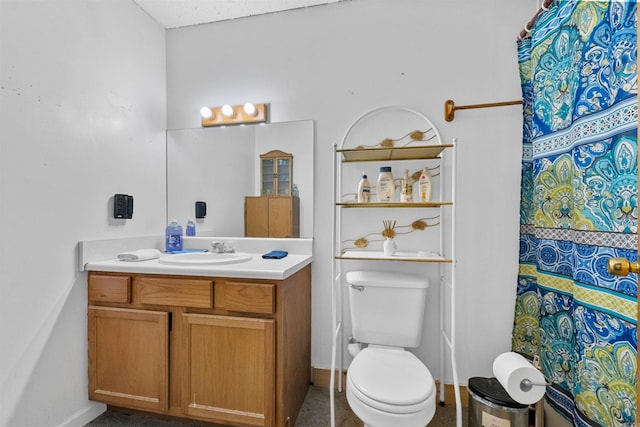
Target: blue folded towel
pixel 275 255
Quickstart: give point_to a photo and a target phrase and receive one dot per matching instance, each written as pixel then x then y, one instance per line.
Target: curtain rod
pixel 450 107
pixel 529 26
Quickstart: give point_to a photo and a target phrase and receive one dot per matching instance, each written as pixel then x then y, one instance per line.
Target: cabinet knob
pixel 622 266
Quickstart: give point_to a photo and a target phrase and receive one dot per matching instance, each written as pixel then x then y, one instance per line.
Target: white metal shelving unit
pixel 445 260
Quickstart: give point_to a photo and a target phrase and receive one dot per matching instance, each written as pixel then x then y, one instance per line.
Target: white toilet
pixel 388 386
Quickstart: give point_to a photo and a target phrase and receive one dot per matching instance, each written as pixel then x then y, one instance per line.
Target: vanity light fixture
pixel 228 111
pixel 233 114
pixel 206 113
pixel 250 109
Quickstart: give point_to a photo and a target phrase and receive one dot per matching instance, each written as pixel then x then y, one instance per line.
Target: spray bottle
pixel 406 191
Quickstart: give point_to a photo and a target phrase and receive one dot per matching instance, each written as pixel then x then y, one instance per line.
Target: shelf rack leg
pixel 454 365
pixel 336 301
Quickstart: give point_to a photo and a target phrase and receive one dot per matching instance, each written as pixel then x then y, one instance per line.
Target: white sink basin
pixel 204 258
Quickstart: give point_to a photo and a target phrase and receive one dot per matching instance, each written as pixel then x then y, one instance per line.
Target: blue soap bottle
pixel 173 237
pixel 191 228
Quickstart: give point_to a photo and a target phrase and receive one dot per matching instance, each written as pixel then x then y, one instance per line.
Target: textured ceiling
pixel 180 13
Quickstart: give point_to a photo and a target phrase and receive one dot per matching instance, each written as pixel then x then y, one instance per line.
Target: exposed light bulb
pixel 227 110
pixel 206 113
pixel 250 109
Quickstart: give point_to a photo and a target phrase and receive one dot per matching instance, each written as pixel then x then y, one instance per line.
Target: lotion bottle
pixel 425 186
pixel 364 189
pixel 406 191
pixel 386 187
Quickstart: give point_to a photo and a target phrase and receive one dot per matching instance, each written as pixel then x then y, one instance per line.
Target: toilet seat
pixel 391 380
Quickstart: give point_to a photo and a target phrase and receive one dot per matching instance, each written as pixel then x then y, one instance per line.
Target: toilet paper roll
pixel 511 369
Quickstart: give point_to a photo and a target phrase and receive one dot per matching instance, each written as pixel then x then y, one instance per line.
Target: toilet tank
pixel 387 308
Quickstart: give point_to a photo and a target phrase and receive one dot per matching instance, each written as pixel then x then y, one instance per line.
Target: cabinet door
pixel 284 217
pixel 128 357
pixel 256 216
pixel 284 176
pixel 269 172
pixel 280 217
pixel 230 369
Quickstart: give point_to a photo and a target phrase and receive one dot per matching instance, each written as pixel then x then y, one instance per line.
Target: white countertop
pixel 101 255
pixel 255 268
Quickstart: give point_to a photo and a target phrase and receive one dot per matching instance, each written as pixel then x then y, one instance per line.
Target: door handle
pixel 622 266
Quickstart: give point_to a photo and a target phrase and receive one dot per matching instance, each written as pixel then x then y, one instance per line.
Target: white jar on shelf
pixel 389 247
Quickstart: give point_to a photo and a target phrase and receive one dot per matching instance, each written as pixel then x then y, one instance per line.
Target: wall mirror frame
pixel 221 165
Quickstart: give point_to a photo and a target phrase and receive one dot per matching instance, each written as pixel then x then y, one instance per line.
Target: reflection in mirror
pixel 221 166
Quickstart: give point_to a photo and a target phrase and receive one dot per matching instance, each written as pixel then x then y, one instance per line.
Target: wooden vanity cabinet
pixel 225 350
pixel 266 216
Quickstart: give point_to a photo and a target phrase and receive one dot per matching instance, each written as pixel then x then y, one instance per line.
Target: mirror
pixel 221 165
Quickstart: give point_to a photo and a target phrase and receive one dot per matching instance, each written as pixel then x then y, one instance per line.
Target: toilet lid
pixel 391 377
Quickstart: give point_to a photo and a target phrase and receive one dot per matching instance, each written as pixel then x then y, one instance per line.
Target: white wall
pixel 82 116
pixel 331 64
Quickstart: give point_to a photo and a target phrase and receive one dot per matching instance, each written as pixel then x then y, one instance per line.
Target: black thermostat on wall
pixel 122 206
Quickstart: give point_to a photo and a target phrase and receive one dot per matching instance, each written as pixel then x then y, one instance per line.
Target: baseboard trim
pixel 322 378
pixel 85 415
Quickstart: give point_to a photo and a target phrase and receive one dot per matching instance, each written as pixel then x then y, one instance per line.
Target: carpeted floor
pixel 314 413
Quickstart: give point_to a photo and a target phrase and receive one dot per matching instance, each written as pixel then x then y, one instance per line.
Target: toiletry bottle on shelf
pixel 406 191
pixel 425 186
pixel 386 188
pixel 173 237
pixel 191 228
pixel 364 189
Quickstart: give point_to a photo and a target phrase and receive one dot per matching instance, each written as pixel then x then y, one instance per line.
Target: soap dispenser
pixel 173 237
pixel 191 228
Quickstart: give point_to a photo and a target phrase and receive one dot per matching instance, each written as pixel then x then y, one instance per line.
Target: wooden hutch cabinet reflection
pixel 276 212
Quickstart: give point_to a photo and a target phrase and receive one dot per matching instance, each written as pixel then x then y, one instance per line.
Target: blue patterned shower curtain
pixel 579 208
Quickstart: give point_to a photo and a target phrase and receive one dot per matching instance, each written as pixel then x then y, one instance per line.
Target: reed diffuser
pixel 389 246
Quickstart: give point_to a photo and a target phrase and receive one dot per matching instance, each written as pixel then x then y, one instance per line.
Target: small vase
pixel 389 247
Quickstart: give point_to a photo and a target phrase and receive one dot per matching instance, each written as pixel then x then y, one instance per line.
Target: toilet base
pixel 372 417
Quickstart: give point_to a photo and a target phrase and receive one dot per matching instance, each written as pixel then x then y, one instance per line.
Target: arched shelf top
pixel 388 108
pixel 387 149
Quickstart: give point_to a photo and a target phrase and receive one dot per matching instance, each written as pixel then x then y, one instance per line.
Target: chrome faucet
pixel 221 248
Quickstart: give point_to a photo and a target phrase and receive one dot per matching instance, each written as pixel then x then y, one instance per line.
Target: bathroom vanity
pixel 225 344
